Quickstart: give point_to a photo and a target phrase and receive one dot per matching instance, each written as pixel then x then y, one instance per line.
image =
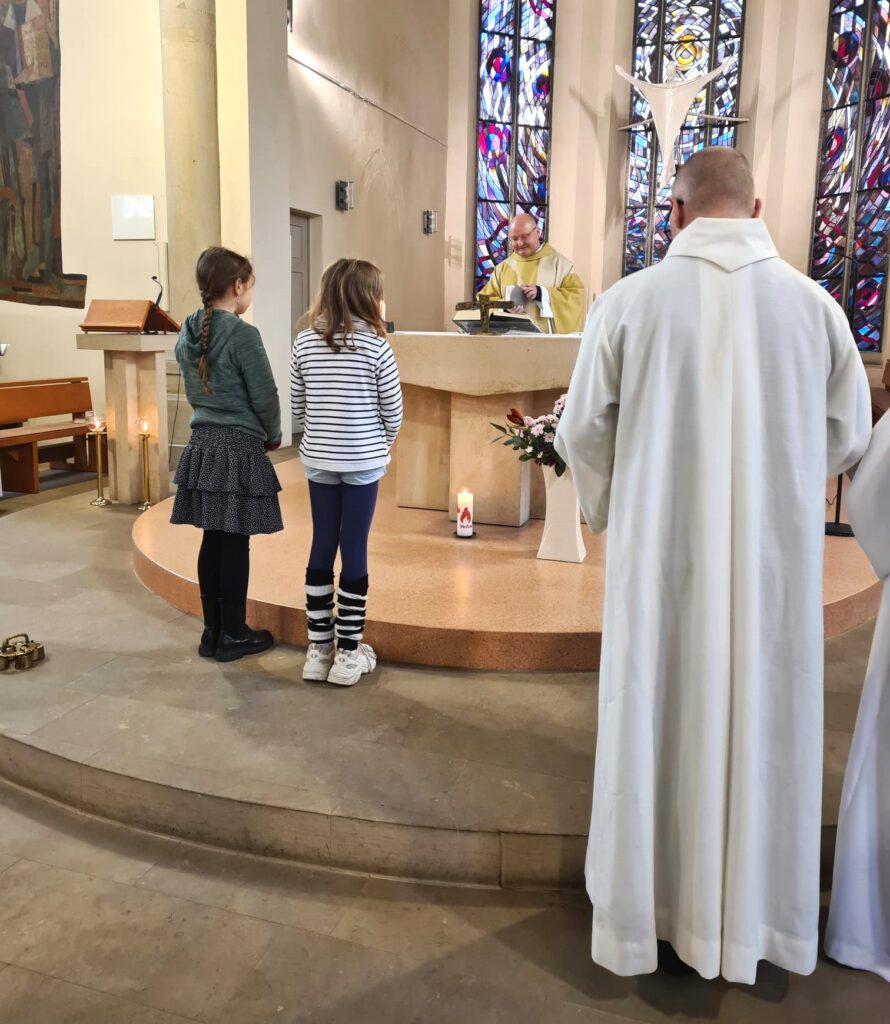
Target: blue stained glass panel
pixel 684 32
pixel 534 84
pixel 830 242
pixel 725 87
pixel 868 309
pixel 492 220
pixel 635 242
pixel 838 151
pixel 497 15
pixel 729 18
pixel 870 245
pixel 639 163
pixel 513 128
pixel 532 149
pixel 496 78
pixel 536 19
pixel 874 171
pixel 834 287
pixel 879 73
pixel 660 240
pixel 647 21
pixel 844 60
pixel 494 169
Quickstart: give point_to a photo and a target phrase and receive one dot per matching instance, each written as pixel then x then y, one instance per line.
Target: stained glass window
pixel 852 215
pixel 696 36
pixel 513 130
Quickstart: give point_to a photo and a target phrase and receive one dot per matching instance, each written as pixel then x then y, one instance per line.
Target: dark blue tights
pixel 341 518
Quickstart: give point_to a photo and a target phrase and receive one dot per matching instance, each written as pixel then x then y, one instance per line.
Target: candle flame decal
pixel 465 516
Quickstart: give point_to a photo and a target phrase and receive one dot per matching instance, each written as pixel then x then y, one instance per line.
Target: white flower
pixel 529 450
pixel 527 420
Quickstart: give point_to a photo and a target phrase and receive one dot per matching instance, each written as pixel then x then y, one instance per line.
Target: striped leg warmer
pixel 320 605
pixel 352 599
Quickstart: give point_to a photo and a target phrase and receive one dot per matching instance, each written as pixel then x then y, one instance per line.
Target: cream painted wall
pixel 112 142
pixel 395 54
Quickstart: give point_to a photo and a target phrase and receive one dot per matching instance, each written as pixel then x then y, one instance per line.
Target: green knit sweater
pixel 242 389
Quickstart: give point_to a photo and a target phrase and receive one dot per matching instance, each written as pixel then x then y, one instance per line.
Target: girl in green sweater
pixel 226 485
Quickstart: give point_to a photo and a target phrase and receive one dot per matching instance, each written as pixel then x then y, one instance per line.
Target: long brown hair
pixel 217 270
pixel 350 290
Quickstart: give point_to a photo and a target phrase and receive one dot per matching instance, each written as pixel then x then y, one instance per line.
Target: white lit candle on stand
pixel 143 428
pixel 465 513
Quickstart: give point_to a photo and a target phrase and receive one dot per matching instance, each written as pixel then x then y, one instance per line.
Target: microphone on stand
pixel 156 280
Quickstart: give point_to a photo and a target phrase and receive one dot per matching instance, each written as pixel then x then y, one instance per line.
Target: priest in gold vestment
pixel 553 291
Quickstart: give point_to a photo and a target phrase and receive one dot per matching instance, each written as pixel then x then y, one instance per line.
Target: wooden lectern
pixel 127 316
pixel 135 388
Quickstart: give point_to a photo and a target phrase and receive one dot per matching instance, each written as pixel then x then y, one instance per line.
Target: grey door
pixel 299 268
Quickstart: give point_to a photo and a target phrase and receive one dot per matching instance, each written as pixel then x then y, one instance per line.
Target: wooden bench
pixel 880 397
pixel 21 454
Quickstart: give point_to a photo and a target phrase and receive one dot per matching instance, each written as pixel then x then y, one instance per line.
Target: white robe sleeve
pixel 586 434
pixel 868 500
pixel 848 401
pixel 545 304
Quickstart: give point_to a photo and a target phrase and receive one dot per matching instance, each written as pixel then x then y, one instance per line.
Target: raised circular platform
pixel 474 778
pixel 436 600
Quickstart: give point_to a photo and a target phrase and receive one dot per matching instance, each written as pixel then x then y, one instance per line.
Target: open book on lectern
pixel 499 322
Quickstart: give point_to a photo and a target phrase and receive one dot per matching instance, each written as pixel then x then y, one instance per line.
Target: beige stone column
pixel 188 57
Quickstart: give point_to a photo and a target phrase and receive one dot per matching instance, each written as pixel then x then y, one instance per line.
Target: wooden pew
pixel 880 397
pixel 20 453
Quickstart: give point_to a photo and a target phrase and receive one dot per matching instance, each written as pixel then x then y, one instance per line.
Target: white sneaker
pixel 350 666
pixel 319 658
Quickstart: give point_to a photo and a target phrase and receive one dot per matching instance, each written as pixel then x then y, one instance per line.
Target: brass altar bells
pixel 20 652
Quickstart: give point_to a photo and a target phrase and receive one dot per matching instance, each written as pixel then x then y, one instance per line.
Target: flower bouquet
pixel 533 437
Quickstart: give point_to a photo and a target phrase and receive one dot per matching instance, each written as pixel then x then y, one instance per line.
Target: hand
pixel 272 447
pixel 530 290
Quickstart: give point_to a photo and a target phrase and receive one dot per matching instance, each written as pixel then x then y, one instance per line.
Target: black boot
pixel 210 636
pixel 236 639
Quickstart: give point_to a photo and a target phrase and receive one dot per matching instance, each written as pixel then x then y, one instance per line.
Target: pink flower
pixel 537 430
pixel 549 436
pixel 517 432
pixel 527 420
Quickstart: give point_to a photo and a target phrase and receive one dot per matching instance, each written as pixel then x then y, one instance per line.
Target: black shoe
pixel 210 636
pixel 236 639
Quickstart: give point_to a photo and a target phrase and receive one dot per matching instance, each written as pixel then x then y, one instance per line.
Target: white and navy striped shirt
pixel 348 404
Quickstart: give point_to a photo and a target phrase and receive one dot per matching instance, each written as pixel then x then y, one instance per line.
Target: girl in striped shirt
pixel 347 401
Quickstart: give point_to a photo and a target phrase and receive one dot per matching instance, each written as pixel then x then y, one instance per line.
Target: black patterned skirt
pixel 226 482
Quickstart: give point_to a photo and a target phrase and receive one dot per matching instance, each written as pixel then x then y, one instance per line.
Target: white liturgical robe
pixel 713 395
pixel 859 920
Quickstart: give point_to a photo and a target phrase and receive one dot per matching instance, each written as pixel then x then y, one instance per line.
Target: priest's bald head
pixel 524 235
pixel 714 182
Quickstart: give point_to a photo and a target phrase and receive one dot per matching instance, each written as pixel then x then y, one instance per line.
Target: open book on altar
pixel 499 322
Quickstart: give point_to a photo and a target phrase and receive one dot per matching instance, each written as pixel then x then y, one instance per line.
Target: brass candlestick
pixel 97 429
pixel 143 430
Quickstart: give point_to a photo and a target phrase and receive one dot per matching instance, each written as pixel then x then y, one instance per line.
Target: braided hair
pixel 218 269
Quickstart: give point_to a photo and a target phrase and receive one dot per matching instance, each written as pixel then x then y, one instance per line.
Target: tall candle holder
pixel 142 428
pixel 97 429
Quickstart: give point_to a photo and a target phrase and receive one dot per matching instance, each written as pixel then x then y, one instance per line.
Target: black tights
pixel 224 566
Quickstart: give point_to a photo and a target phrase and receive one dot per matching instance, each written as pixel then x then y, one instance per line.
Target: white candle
pixel 465 514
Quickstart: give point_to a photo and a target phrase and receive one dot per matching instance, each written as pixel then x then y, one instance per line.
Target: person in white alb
pixel 713 395
pixel 858 932
pixel 347 402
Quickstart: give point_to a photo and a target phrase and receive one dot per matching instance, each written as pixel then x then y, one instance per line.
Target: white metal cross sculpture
pixel 669 104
